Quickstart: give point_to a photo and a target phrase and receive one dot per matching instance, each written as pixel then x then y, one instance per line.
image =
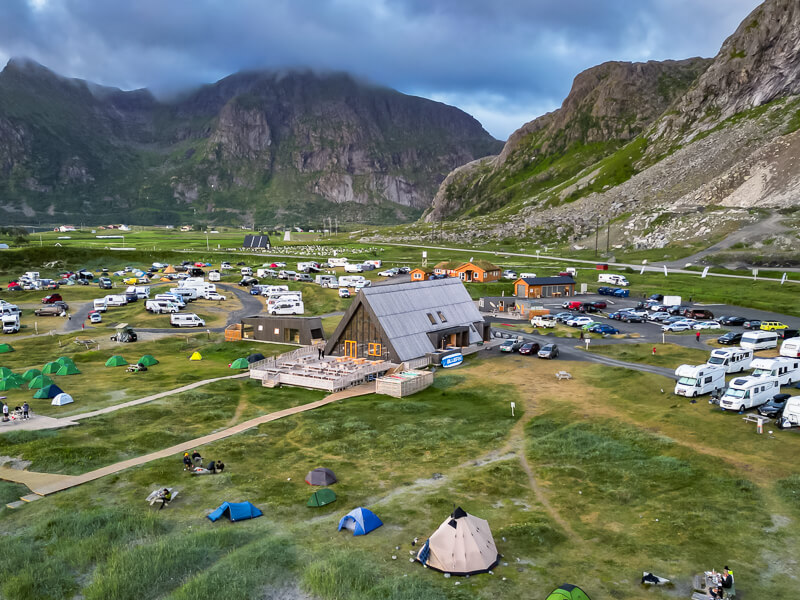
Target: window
pixel 261 328
pixel 374 349
pixel 432 319
pixel 441 316
pixel 276 331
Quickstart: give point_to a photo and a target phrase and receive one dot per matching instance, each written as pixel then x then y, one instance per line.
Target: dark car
pixel 774 407
pixel 678 310
pixel 787 334
pixel 605 291
pixel 698 313
pixel 729 320
pixel 246 281
pixel 105 283
pixel 730 338
pixel 529 348
pixel 564 316
pixel 587 307
pixel 622 293
pixel 599 304
pixel 604 329
pixel 672 319
pixel 125 335
pixel 657 297
pixel 630 317
pixel 752 324
pixel 131 297
pixel 617 316
pixel 52 299
pixel 404 270
pixel 548 351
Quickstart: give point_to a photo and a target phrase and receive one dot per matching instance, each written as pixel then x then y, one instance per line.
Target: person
pixel 654 350
pixel 715 592
pixel 212 467
pixel 220 466
pixel 581 333
pixel 319 353
pixel 164 496
pixel 187 462
pixel 697 335
pixel 25 410
pixel 5 412
pixel 727 578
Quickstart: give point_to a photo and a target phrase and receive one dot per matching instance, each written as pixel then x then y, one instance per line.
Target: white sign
pixel 424 254
pixel 665 270
pixel 642 271
pixel 783 279
pixel 513 406
pixel 755 274
pixel 705 272
pixel 587 340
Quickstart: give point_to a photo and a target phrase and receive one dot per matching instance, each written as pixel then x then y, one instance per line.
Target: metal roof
pixel 402 310
pixel 549 280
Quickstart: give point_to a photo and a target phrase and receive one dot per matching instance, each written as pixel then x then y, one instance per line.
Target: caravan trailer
pixel 791 414
pixel 790 348
pixel 337 261
pixel 697 380
pixel 328 281
pixel 786 370
pixel 749 392
pixel 759 340
pixel 735 360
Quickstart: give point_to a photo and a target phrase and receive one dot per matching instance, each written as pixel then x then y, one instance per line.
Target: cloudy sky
pixel 503 61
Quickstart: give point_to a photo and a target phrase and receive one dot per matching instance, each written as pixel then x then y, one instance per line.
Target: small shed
pixel 420 274
pixel 404 383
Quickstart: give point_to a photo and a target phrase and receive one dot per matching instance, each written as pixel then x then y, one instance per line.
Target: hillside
pixel 260 147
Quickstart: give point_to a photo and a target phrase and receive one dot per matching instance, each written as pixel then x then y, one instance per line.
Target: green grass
pixel 667 355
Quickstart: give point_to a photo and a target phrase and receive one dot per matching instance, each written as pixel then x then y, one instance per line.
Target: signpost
pixel 513 406
pixel 705 272
pixel 452 360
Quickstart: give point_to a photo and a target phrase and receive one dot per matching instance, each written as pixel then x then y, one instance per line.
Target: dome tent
pixel 116 361
pixel 5 348
pixel 321 498
pixel 463 545
pixel 321 476
pixel 5 372
pixel 255 357
pixel 9 383
pixel 30 374
pixel 62 399
pixel 196 356
pixel 567 591
pixel 360 521
pixel 236 511
pixel 65 360
pixel 240 363
pixel 68 369
pixel 148 360
pixel 51 368
pixel 39 381
pixel 48 391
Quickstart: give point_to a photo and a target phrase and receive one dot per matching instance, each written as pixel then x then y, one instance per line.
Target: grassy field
pixel 667 355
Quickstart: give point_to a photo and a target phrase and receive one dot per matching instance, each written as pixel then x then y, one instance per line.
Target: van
pixel 339 261
pixel 10 323
pixel 527 275
pixel 544 321
pixel 786 370
pixel 733 360
pixel 328 281
pixel 142 292
pixel 186 320
pixel 613 279
pixel 116 300
pixel 790 348
pixel 697 380
pixel 174 298
pixel 246 272
pixel 161 306
pixel 100 304
pixel 772 325
pixel 749 392
pixel 759 340
pixel 287 306
pixel 187 293
pixel 214 276
pixel 353 268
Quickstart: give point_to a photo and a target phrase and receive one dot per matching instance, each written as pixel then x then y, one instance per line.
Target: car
pixel 730 338
pixel 563 316
pixel 125 335
pixel 632 316
pixel 605 291
pixel 511 345
pixel 214 296
pixel 672 319
pixel 752 324
pixel 571 304
pixel 676 327
pixel 587 307
pixel 344 292
pixel 786 334
pixel 774 407
pixel 698 313
pixel 617 316
pixel 275 265
pixel 707 325
pixel 656 297
pixel 404 270
pixel 389 272
pixel 104 283
pixel 599 304
pixel 509 274
pixel 622 293
pixel 247 281
pixel 529 348
pixel 579 321
pixel 225 265
pixel 603 328
pixel 658 316
pixel 589 325
pixel 548 351
pixel 95 317
pixel 730 320
pixel 52 299
pixel 765 325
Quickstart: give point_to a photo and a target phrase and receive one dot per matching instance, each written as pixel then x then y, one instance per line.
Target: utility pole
pixel 596 234
pixel 608 237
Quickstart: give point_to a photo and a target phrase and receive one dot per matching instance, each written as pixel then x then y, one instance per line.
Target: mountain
pixel 664 153
pixel 258 147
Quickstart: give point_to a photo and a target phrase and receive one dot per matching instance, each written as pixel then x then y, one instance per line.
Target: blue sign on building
pixel 452 360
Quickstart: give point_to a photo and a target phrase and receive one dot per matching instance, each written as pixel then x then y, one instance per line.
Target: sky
pixel 503 61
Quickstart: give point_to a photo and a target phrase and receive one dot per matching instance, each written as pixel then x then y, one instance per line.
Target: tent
pixel 62 399
pixel 48 391
pixel 321 498
pixel 148 360
pixel 5 372
pixel 360 521
pixel 169 269
pixel 236 511
pixel 463 545
pixel 5 348
pixel 196 356
pixel 51 368
pixel 567 591
pixel 321 476
pixel 240 363
pixel 116 361
pixel 30 374
pixel 68 369
pixel 9 383
pixel 255 357
pixel 39 381
pixel 65 360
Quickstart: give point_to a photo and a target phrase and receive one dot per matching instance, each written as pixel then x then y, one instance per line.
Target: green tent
pixel 116 361
pixel 9 383
pixel 148 360
pixel 48 391
pixel 30 374
pixel 65 360
pixel 567 591
pixel 240 363
pixel 51 368
pixel 321 498
pixel 5 348
pixel 68 369
pixel 5 372
pixel 39 382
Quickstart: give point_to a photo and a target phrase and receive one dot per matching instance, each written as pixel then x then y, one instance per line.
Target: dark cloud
pixel 505 62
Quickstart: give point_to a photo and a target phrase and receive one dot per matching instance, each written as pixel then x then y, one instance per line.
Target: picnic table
pixel 563 375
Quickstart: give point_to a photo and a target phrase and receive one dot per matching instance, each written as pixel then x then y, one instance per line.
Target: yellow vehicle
pixel 773 325
pixel 131 281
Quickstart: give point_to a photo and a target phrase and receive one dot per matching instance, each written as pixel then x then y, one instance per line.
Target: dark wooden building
pixel 293 330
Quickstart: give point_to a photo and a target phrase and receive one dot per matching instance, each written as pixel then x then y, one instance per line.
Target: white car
pixel 509 274
pixel 579 321
pixel 95 317
pixel 214 296
pixel 389 272
pixel 707 325
pixel 677 326
pixel 344 292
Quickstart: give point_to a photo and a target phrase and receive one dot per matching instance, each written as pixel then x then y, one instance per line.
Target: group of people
pixel 720 584
pixel 194 463
pixel 21 411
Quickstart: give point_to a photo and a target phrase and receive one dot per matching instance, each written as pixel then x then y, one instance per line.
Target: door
pixel 350 348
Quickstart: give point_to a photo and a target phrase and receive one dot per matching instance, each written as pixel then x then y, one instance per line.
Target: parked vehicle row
pixel 549 351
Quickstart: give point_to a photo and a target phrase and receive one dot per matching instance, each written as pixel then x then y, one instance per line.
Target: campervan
pixel 142 291
pixel 339 261
pixel 100 304
pixel 214 276
pixel 161 306
pixel 362 284
pixel 246 272
pixel 786 370
pixel 328 281
pixel 305 267
pixel 353 268
pixel 186 320
pixel 376 264
pixel 187 293
pixel 351 280
pixel 612 278
pixel 759 340
pixel 203 287
pixel 266 273
pixel 31 275
pixel 279 297
pixel 749 392
pixel 734 360
pixel 10 323
pixel 9 309
pixel 287 306
pixel 527 275
pixel 697 380
pixel 176 299
pixel 791 414
pixel 791 348
pixel 116 300
pixel 274 289
pixel 544 321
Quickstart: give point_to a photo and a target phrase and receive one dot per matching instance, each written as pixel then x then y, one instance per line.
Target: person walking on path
pixel 697 336
pixel 5 412
pixel 581 333
pixel 25 410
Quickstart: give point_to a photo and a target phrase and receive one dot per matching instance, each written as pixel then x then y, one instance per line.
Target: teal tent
pixel 236 511
pixel 240 363
pixel 68 369
pixel 567 591
pixel 30 374
pixel 116 361
pixel 51 368
pixel 148 360
pixel 321 498
pixel 39 382
pixel 48 391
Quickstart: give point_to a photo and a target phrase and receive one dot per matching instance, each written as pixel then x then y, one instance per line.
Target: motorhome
pixel 362 284
pixel 176 299
pixel 696 380
pixel 31 275
pixel 790 348
pixel 278 297
pixel 328 281
pixel 287 306
pixel 612 278
pixel 116 300
pixel 9 309
pixel 203 287
pixel 100 304
pixel 337 261
pixel 527 275
pixel 376 264
pixel 246 272
pixel 10 323
pixel 287 275
pixel 749 392
pixel 142 291
pixel 351 280
pixel 186 320
pixel 791 414
pixel 734 360
pixel 759 340
pixel 353 268
pixel 266 273
pixel 786 370
pixel 274 289
pixel 188 294
pixel 161 306
pixel 306 267
pixel 214 276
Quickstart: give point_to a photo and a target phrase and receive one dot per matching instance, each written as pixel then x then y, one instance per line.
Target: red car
pixel 599 304
pixel 52 298
pixel 571 304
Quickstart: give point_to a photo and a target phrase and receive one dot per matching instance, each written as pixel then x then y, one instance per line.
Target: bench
pixel 563 375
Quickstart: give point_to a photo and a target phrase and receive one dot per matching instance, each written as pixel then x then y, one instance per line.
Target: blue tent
pixel 360 521
pixel 237 511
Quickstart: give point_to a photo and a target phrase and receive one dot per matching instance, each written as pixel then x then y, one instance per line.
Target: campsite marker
pixel 513 406
pixel 587 340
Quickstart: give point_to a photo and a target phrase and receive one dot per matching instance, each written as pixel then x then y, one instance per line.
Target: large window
pixel 374 350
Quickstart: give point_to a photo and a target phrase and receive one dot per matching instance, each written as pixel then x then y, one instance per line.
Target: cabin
pixel 278 329
pixel 544 287
pixel 446 268
pixel 420 274
pixel 477 271
pixel 411 324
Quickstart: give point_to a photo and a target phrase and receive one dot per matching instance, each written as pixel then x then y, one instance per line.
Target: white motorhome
pixel 10 323
pixel 279 297
pixel 274 289
pixel 337 261
pixel 266 273
pixel 116 300
pixel 142 291
pixel 32 275
pixel 362 284
pixel 791 414
pixel 786 370
pixel 287 306
pixel 161 306
pixel 527 275
pixel 176 299
pixel 203 287
pixel 351 280
pixel 613 279
pixel 9 309
pixel 377 264
pixel 187 293
pixel 328 281
pixel 696 380
pixel 214 276
pixel 100 304
pixel 246 272
pixel 353 268
pixel 790 348
pixel 186 320
pixel 759 340
pixel 734 360
pixel 749 392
